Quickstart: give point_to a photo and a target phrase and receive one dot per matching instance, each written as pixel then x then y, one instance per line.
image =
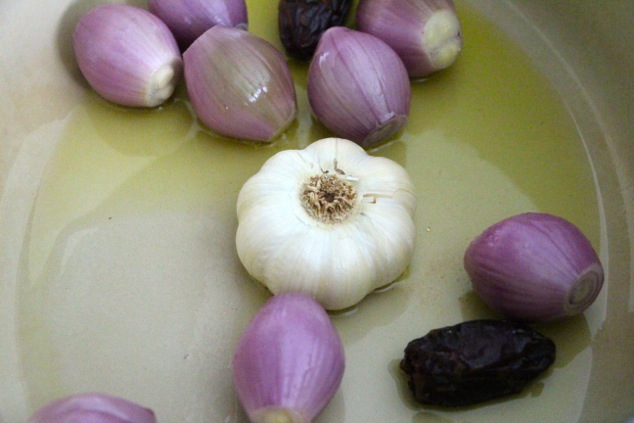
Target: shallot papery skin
pixel 128 55
pixel 93 408
pixel 289 361
pixel 534 267
pixel 189 19
pixel 358 87
pixel 426 34
pixel 240 85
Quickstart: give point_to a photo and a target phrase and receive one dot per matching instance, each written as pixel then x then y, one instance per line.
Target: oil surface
pixel 131 283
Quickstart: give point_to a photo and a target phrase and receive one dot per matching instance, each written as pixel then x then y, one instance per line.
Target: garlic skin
pixel 189 19
pixel 534 267
pixel 128 55
pixel 426 34
pixel 329 221
pixel 358 87
pixel 289 361
pixel 93 408
pixel 239 84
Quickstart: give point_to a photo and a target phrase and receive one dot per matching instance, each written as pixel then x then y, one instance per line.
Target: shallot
pixel 289 361
pixel 240 85
pixel 535 267
pixel 128 55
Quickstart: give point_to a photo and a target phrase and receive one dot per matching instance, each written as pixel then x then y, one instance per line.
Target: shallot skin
pixel 93 408
pixel 128 55
pixel 426 34
pixel 289 362
pixel 358 87
pixel 189 19
pixel 240 85
pixel 534 267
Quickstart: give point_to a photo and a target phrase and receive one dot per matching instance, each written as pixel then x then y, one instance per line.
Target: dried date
pixel 475 361
pixel 301 23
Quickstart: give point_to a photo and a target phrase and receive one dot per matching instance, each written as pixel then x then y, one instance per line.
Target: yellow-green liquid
pixel 487 138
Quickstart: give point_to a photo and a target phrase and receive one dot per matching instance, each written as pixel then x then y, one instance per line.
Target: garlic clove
pixel 189 19
pixel 127 55
pixel 93 408
pixel 289 361
pixel 534 267
pixel 426 34
pixel 358 87
pixel 297 234
pixel 240 86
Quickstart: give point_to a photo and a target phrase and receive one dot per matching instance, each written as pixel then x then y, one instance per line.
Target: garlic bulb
pixel 189 19
pixel 426 34
pixel 128 55
pixel 329 221
pixel 93 408
pixel 289 361
pixel 358 87
pixel 239 84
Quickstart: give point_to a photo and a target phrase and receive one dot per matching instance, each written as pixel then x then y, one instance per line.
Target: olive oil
pixel 130 278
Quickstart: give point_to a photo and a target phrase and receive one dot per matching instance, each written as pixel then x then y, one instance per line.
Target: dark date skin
pixel 475 361
pixel 301 23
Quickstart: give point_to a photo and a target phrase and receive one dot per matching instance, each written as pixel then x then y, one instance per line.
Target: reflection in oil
pixel 571 336
pixel 142 133
pixel 363 320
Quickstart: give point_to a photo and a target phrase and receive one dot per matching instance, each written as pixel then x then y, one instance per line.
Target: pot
pixel 118 270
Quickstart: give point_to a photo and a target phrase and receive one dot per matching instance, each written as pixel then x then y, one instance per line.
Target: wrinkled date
pixel 475 361
pixel 301 23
